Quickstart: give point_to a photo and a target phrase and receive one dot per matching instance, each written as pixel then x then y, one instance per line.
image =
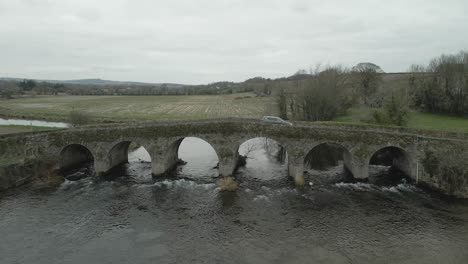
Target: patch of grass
pixel 417 120
pixel 438 122
pixel 11 129
pixel 8 161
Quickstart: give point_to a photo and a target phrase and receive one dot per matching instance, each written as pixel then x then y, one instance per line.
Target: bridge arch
pixel 393 160
pixel 262 157
pixel 187 151
pixel 74 156
pixel 330 157
pixel 118 152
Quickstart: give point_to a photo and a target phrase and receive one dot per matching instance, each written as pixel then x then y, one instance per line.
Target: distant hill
pixel 99 82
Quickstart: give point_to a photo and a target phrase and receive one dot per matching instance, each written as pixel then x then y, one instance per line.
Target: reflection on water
pixel 201 160
pixel 139 155
pixel 183 221
pixel 262 164
pixel 21 122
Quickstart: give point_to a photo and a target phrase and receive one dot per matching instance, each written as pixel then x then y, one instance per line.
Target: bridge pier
pixel 228 159
pixel 101 167
pixel 118 154
pixel 164 160
pixel 164 165
pixel 359 167
pixel 407 164
pixel 227 166
pixel 228 156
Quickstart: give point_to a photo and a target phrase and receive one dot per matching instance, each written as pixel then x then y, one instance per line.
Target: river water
pixel 22 122
pixel 133 219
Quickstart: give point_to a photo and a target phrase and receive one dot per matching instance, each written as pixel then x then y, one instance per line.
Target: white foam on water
pixel 261 197
pixel 182 183
pixel 393 189
pixel 359 186
pixel 402 187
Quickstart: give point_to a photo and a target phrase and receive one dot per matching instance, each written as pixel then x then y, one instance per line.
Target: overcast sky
pixel 201 41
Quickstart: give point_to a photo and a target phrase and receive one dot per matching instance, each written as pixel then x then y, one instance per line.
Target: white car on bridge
pixel 275 120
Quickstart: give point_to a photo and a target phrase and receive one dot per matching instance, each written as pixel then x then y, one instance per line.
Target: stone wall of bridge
pixel 437 162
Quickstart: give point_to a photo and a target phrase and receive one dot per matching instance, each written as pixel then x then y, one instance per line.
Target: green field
pixel 139 108
pixel 416 120
pixel 10 129
pixel 147 108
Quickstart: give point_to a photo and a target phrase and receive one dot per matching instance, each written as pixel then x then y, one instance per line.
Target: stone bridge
pixel 435 159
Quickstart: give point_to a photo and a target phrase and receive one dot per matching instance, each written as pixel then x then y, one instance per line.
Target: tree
pixel 322 96
pixel 8 89
pixel 300 72
pixel 394 112
pixel 27 85
pixel 282 104
pixel 368 79
pixel 442 86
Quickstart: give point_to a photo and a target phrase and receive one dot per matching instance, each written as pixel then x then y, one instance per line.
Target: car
pixel 275 120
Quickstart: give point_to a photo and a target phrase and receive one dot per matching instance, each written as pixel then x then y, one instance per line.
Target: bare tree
pixel 282 103
pixel 323 96
pixel 442 86
pixel 368 80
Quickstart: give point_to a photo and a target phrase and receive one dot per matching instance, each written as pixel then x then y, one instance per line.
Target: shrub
pixel 394 112
pixel 79 118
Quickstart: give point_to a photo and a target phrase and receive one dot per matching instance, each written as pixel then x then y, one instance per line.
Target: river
pixel 134 219
pixel 39 123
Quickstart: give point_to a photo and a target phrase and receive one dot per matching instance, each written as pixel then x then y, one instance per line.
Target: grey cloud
pixel 203 41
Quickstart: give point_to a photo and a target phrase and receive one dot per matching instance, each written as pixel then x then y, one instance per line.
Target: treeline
pixel 441 86
pixel 326 92
pixel 10 89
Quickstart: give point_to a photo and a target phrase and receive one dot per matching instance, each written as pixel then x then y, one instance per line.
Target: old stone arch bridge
pixel 435 159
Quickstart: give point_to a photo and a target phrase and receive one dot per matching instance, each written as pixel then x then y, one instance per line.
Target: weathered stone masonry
pixel 439 162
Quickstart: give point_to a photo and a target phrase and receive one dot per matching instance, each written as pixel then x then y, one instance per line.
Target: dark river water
pixel 134 219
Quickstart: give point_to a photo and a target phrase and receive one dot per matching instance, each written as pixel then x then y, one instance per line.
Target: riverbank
pixel 417 120
pixel 11 129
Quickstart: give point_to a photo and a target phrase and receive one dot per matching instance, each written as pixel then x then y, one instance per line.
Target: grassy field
pixel 139 108
pixel 10 129
pixel 147 108
pixel 416 120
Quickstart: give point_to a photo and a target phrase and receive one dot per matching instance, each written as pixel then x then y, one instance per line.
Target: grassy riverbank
pixel 417 120
pixel 11 129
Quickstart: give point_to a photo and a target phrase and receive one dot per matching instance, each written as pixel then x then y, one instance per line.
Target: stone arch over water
pixel 193 157
pixel 74 156
pixel 119 153
pixel 262 158
pixel 328 161
pixel 391 162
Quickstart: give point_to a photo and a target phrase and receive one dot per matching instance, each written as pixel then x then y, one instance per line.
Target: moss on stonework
pixel 430 163
pixel 9 161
